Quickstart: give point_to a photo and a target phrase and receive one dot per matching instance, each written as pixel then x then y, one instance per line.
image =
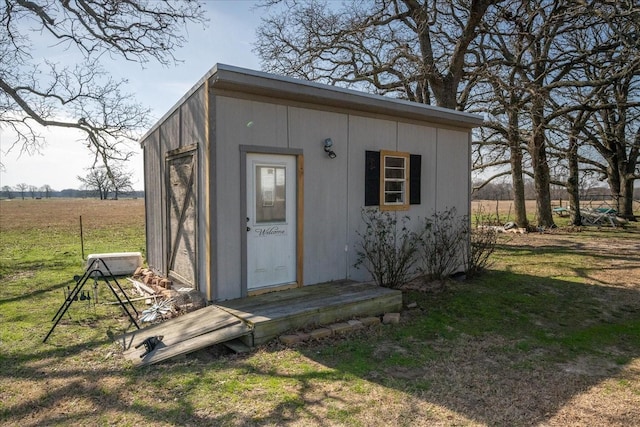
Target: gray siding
pixel 325 191
pixel 153 203
pixel 421 140
pixel 333 188
pixel 365 133
pixel 193 130
pixel 238 122
pixel 452 164
pixel 185 126
pixel 231 107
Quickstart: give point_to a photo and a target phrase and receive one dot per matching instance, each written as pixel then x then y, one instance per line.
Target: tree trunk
pixel 614 180
pixel 573 187
pixel 445 92
pixel 445 85
pixel 519 201
pixel 625 200
pixel 541 175
pixel 541 180
pixel 628 178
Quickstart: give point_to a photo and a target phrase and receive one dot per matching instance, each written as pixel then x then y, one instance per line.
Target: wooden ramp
pixel 185 334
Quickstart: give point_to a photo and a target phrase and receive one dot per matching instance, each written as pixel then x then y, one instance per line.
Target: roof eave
pixel 243 80
pixel 259 83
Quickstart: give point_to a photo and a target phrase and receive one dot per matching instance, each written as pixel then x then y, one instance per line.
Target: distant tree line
pixel 101 182
pixel 504 191
pixel 25 191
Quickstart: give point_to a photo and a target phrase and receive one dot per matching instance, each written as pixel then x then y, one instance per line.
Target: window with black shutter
pixel 392 179
pixel 372 178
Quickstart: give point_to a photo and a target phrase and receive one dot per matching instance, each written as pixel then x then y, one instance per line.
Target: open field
pixel 549 336
pixel 489 210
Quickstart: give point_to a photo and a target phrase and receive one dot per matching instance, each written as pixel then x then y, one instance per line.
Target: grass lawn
pixel 549 336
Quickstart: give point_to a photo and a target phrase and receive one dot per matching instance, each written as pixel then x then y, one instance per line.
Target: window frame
pixel 404 205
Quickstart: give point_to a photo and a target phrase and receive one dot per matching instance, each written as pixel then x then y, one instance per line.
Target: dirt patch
pixel 589 366
pixel 386 349
pixel 611 259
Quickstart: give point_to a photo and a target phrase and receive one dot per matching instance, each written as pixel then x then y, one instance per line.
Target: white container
pixel 119 263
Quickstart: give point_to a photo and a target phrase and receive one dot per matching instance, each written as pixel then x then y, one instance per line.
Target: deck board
pixel 275 313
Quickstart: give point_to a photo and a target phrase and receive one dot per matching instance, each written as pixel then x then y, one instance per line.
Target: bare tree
pixel 615 134
pixel 519 62
pixel 36 91
pixel 533 62
pixel 120 181
pixel 22 188
pixel 47 190
pixel 33 190
pixel 412 49
pixel 607 113
pixel 98 181
pixel 502 97
pixel 7 191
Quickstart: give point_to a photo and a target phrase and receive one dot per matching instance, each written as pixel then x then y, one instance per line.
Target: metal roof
pixel 243 80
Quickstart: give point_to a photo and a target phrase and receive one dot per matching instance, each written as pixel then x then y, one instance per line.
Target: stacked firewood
pixel 161 290
pixel 160 285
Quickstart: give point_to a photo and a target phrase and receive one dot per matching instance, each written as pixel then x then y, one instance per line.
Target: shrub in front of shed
pixel 443 245
pixel 482 246
pixel 445 238
pixel 387 248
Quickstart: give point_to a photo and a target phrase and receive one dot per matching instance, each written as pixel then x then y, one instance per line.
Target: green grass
pixel 504 337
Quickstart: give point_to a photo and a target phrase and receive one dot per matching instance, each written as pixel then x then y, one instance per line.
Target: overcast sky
pixel 228 39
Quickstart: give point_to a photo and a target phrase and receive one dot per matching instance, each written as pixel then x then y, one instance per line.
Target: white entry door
pixel 271 220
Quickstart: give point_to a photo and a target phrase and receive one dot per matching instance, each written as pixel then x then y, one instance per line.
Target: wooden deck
pixel 256 320
pixel 272 314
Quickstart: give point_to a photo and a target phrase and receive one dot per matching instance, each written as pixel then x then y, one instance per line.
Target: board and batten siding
pixel 325 190
pixel 333 188
pixel 372 134
pixel 230 108
pixel 183 126
pixel 153 202
pixel 453 171
pixel 238 122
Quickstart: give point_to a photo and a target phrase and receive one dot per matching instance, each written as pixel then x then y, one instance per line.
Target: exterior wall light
pixel 328 143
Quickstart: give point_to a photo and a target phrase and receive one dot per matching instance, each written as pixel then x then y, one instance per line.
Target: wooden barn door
pixel 181 173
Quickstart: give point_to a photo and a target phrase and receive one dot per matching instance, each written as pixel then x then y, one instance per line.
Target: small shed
pixel 256 182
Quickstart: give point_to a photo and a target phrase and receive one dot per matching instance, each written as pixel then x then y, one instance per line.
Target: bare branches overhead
pixel 405 48
pixel 138 30
pixel 37 91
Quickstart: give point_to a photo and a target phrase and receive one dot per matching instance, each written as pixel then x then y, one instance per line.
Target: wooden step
pixel 237 346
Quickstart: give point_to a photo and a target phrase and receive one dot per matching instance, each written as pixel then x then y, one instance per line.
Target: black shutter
pixel 372 178
pixel 415 162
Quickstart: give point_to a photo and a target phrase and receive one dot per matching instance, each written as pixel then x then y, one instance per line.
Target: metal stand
pixel 94 271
